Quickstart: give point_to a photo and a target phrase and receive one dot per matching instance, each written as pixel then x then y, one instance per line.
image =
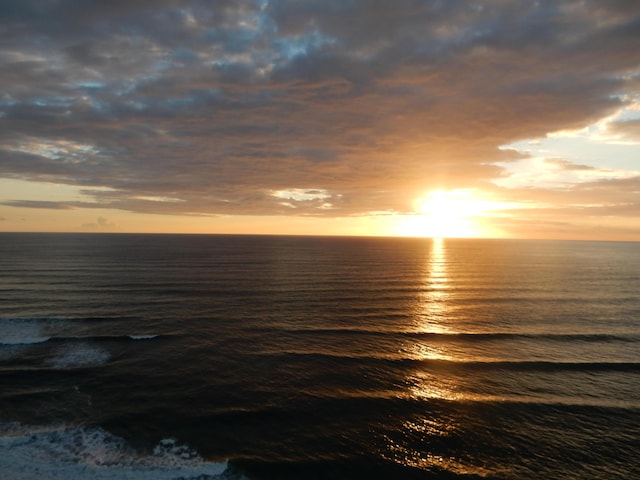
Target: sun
pixel 446 214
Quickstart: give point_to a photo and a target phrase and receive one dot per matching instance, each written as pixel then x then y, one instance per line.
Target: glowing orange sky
pixel 321 117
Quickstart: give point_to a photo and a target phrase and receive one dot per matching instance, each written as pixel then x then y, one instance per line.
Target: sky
pixel 492 118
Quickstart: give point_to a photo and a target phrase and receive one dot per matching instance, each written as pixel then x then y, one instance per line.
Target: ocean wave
pixel 53 453
pixel 79 355
pixel 66 351
pixel 105 338
pixel 29 330
pixel 470 363
pixel 22 339
pixel 535 365
pixel 385 331
pixel 21 331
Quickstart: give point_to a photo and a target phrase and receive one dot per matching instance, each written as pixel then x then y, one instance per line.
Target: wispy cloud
pixel 101 224
pixel 38 204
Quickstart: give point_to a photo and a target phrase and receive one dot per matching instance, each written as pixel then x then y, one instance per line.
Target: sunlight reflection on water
pixel 431 317
pixel 432 311
pixel 431 304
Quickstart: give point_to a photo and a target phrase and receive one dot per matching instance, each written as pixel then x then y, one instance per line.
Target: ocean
pixel 272 357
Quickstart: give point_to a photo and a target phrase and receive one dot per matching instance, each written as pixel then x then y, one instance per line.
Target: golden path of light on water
pixel 433 314
pixel 432 308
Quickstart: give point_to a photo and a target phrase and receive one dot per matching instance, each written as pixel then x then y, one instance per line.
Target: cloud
pixel 37 204
pixel 205 108
pixel 101 223
pixel 563 164
pixel 629 130
pixel 601 196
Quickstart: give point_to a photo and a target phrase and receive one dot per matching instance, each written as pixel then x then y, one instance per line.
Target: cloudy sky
pixel 481 118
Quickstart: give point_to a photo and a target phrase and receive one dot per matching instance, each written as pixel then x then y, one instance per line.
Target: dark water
pixel 163 357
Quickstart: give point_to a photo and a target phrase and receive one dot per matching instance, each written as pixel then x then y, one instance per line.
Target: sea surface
pixel 266 357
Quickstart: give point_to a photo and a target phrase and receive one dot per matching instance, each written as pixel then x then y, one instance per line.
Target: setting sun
pixel 447 213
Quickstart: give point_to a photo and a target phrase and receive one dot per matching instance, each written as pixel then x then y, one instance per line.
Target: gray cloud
pixel 37 204
pixel 101 224
pixel 629 130
pixel 212 107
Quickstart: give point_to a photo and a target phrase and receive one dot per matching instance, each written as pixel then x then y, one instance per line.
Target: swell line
pixel 439 363
pixel 90 338
pixel 448 336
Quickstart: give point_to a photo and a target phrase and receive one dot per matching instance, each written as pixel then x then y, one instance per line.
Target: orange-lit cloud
pixel 322 109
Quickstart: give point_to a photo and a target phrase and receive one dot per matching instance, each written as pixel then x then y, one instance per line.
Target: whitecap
pixel 142 337
pixel 57 453
pixel 79 355
pixel 17 331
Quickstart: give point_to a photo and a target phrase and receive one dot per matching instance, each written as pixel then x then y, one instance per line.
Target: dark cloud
pixel 37 204
pixel 215 107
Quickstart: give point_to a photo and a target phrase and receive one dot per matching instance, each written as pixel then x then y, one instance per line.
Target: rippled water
pixel 160 356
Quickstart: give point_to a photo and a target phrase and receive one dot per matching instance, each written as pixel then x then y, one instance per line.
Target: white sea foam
pixel 142 337
pixel 92 453
pixel 15 331
pixel 79 355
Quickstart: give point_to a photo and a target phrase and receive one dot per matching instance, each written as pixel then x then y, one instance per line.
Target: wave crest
pixel 92 453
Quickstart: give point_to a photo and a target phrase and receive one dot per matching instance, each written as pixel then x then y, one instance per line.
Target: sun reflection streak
pixel 431 380
pixel 434 379
pixel 433 314
pixel 432 302
pixel 427 433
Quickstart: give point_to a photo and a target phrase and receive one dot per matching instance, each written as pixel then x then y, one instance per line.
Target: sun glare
pixel 446 213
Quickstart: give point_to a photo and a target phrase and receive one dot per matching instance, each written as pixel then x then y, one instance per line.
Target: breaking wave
pixel 50 453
